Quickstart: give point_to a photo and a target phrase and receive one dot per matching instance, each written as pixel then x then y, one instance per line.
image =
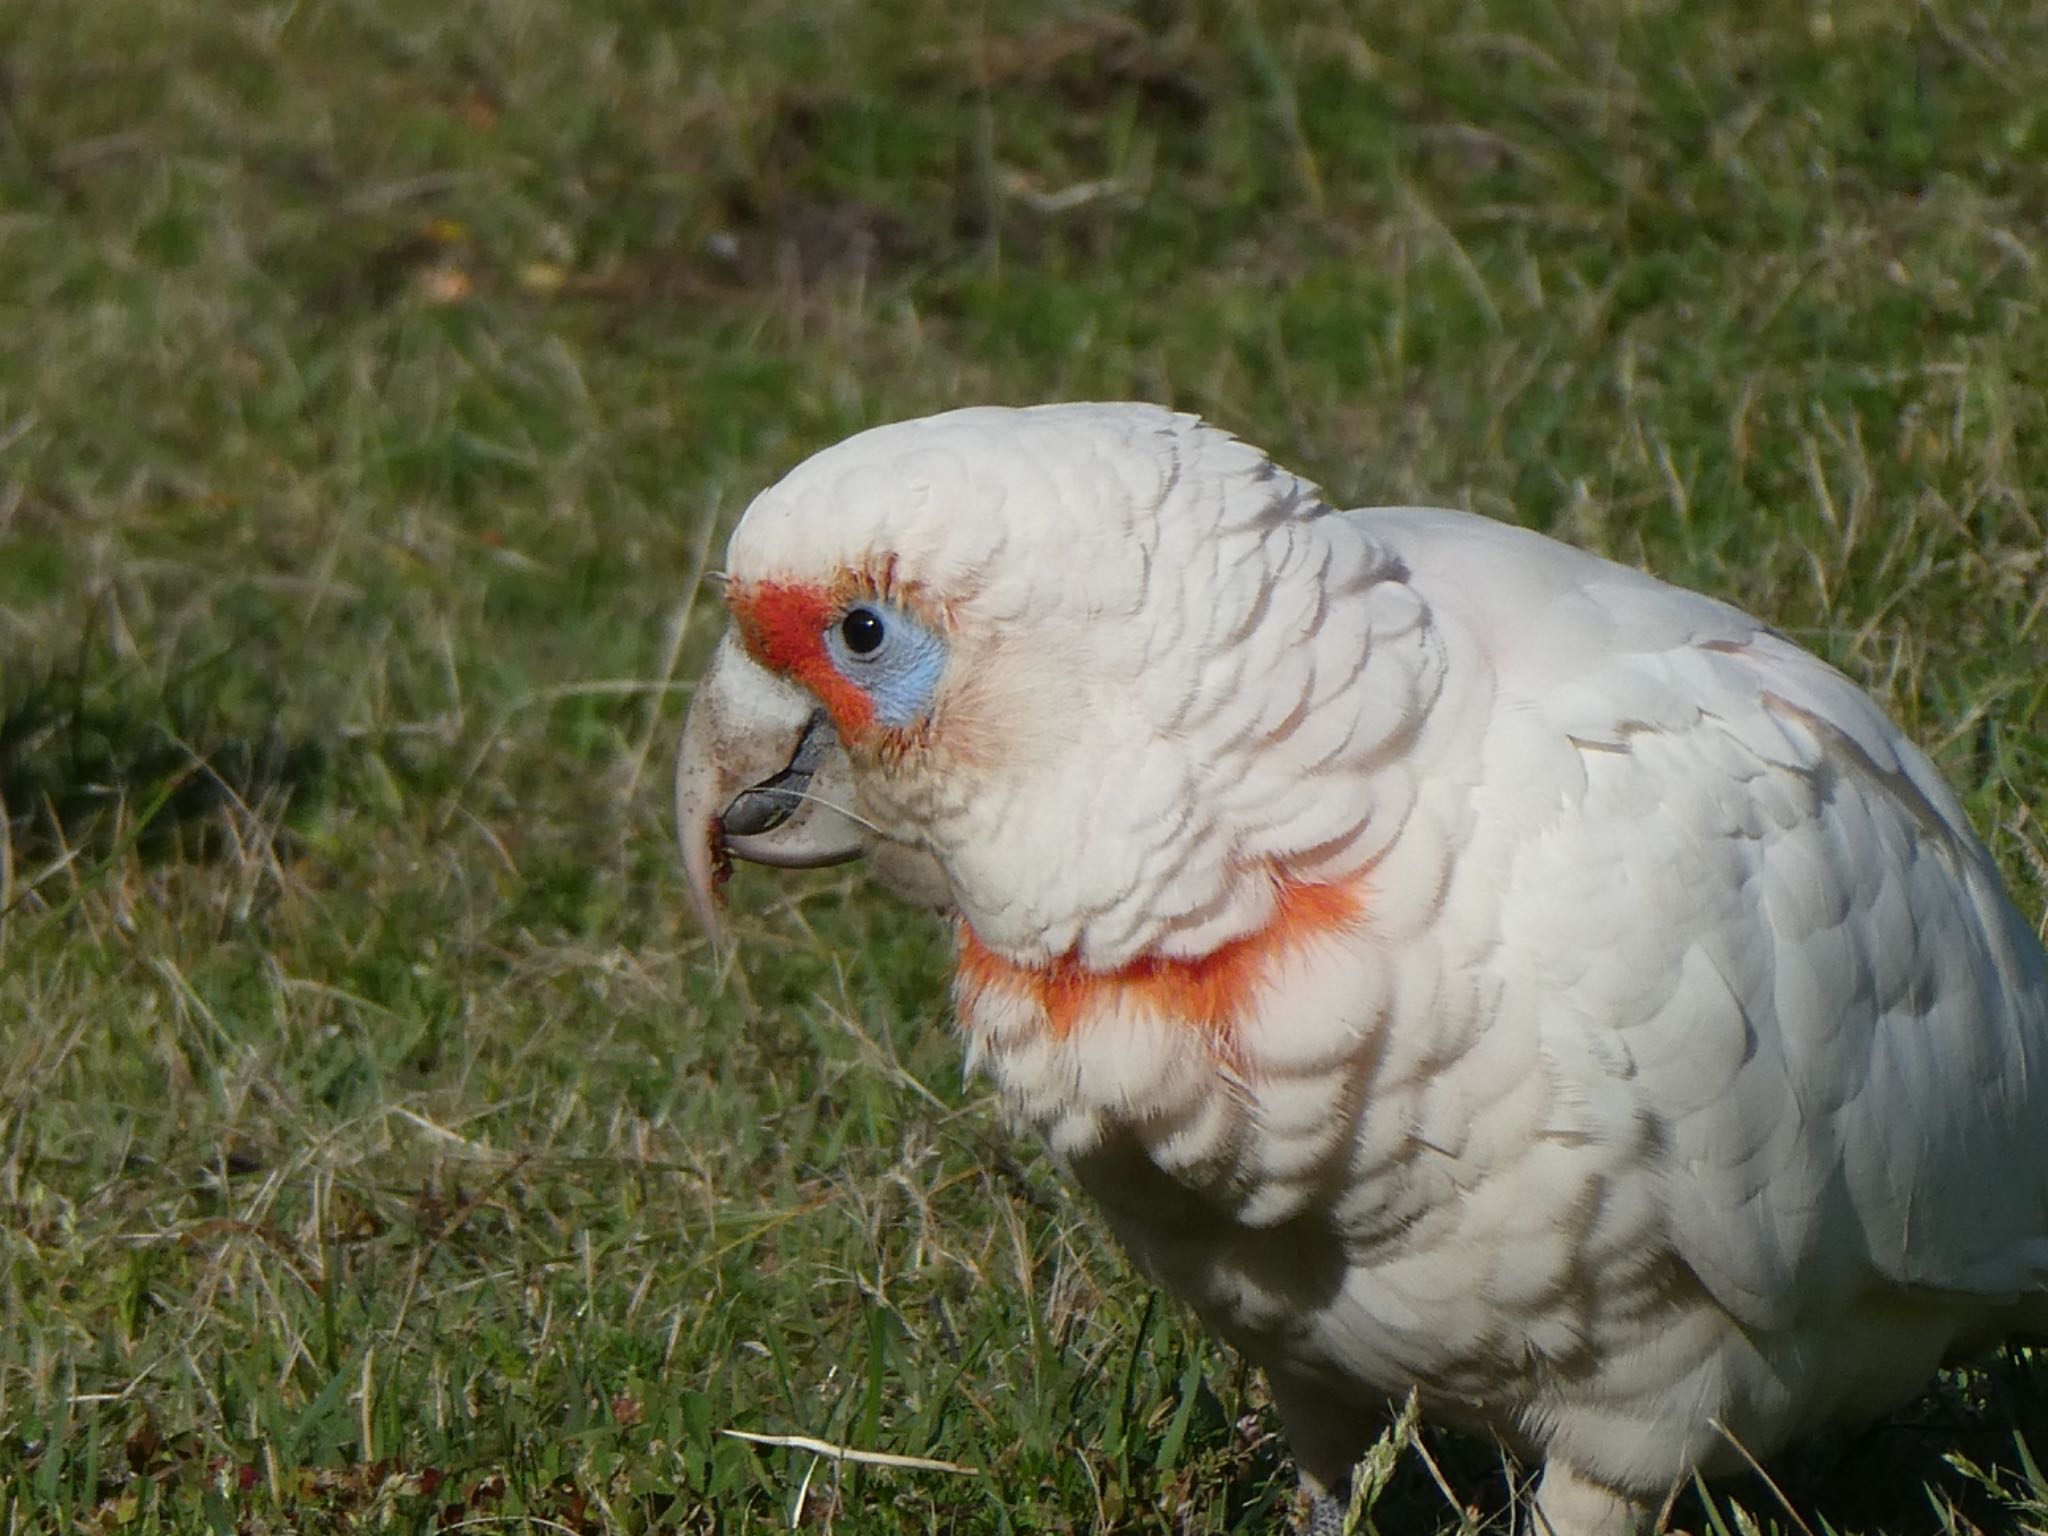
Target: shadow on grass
pixel 1957 1460
pixel 78 761
pixel 1961 1445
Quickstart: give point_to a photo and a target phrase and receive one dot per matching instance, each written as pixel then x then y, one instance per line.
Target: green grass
pixel 379 1145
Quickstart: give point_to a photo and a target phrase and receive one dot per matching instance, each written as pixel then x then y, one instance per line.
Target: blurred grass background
pixel 379 1146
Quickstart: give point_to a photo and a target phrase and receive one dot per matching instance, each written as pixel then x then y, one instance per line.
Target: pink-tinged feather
pixel 1211 994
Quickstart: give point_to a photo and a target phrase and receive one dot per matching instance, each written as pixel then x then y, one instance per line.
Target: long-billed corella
pixel 1453 962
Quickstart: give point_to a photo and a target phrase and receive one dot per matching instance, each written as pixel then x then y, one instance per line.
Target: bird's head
pixel 1008 655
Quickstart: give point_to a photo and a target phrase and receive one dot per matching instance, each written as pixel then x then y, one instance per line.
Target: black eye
pixel 862 630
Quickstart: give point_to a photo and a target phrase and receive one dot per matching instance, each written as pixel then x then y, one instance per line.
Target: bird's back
pixel 1737 904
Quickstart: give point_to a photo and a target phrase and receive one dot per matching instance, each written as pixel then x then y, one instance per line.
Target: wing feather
pixel 1754 916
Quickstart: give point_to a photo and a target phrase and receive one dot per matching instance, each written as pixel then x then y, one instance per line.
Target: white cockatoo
pixel 1454 963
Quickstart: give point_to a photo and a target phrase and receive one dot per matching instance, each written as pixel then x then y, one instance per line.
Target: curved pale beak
pixel 759 777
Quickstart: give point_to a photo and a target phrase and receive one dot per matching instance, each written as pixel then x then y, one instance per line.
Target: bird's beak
pixel 759 776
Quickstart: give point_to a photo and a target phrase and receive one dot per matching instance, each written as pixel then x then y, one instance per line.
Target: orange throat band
pixel 1209 994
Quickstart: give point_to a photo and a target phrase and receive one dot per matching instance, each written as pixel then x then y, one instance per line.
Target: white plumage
pixel 1452 961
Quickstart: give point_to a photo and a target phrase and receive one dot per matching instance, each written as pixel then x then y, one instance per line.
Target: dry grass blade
pixel 853 1454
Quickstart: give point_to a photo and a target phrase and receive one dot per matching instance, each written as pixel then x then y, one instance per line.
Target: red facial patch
pixel 784 624
pixel 1209 995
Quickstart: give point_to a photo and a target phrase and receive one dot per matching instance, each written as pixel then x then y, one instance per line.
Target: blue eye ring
pixel 891 654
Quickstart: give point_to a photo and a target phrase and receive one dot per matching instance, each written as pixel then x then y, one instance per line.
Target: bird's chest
pixel 1331 1181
